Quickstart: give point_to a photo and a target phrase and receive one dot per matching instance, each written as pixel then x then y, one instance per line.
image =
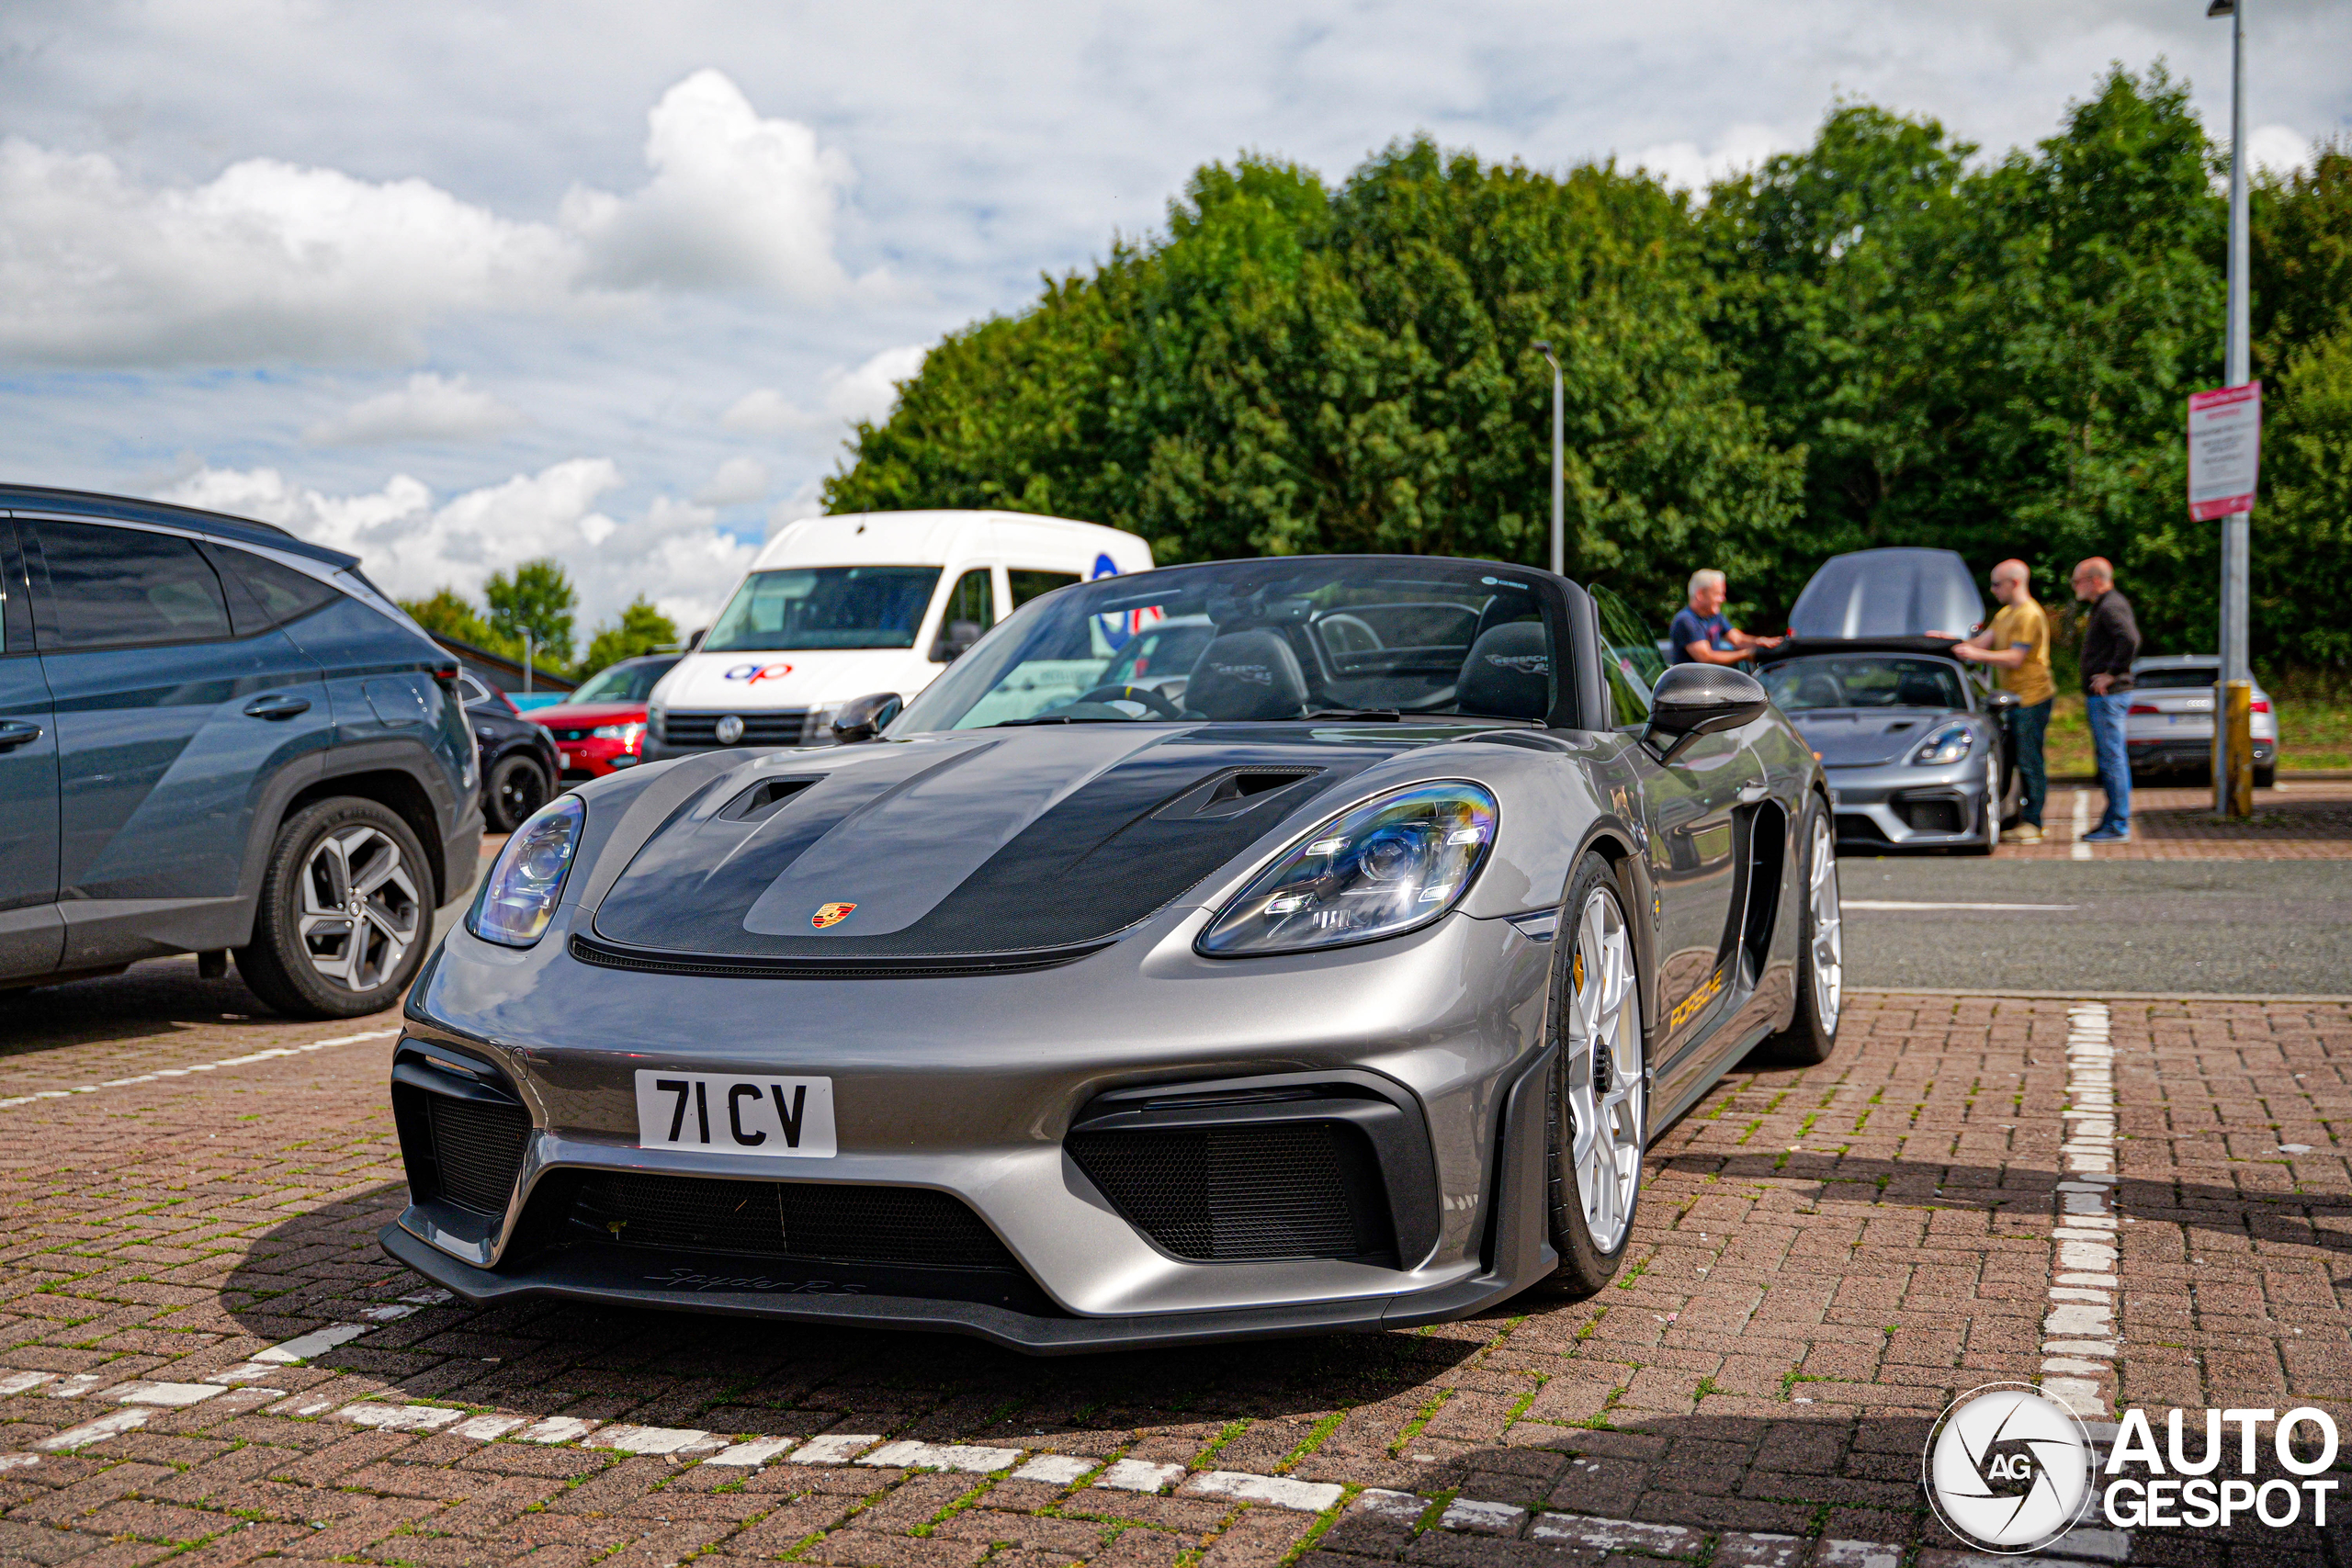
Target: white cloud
pixel 1739 147
pixel 429 407
pixel 738 480
pixel 672 553
pixel 845 397
pixel 2280 149
pixel 735 202
pixel 270 261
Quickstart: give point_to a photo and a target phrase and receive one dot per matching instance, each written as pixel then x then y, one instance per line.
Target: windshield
pixel 1862 680
pixel 1260 641
pixel 630 682
pixel 2177 677
pixel 824 606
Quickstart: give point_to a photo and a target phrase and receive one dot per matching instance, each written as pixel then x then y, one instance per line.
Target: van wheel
pixel 517 787
pixel 345 913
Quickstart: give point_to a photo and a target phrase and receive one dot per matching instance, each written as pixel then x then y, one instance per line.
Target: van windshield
pixel 824 606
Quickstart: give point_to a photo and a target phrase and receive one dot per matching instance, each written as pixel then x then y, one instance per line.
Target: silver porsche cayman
pixel 1334 980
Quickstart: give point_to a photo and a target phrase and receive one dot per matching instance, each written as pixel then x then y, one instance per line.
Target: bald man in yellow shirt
pixel 2017 643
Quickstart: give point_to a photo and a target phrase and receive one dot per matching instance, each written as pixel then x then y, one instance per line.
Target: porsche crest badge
pixel 830 915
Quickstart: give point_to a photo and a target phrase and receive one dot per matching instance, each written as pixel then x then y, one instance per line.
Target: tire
pixel 2265 778
pixel 517 786
pixel 332 861
pixel 1597 1106
pixel 1812 1033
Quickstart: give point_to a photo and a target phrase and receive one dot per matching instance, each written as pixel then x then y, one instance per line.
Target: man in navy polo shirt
pixel 1700 634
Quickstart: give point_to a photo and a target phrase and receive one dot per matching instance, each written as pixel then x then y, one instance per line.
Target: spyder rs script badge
pixel 830 915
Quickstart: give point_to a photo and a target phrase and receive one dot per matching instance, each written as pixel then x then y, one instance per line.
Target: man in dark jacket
pixel 2111 641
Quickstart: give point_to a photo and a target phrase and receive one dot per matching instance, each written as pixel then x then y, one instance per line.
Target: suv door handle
pixel 15 732
pixel 277 704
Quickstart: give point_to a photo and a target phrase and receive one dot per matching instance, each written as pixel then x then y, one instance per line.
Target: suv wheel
pixel 517 787
pixel 346 914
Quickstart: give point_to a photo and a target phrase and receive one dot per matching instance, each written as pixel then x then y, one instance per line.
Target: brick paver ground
pixel 1824 1258
pixel 2306 819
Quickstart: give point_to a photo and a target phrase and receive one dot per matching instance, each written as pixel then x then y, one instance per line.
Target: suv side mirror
pixel 1692 700
pixel 956 640
pixel 862 718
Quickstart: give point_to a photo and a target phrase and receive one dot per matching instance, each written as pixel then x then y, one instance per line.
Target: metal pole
pixel 1559 502
pixel 2237 370
pixel 526 663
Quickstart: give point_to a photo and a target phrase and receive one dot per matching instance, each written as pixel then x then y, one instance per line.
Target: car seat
pixel 1508 673
pixel 1247 675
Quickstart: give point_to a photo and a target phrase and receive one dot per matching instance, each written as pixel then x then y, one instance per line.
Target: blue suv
pixel 215 737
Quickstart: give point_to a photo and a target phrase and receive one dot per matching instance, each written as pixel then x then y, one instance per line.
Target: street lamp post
pixel 2236 370
pixel 1559 505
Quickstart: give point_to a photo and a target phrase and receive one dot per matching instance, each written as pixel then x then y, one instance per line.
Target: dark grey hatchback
pixel 215 737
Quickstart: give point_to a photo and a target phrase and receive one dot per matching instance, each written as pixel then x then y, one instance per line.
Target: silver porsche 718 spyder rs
pixel 1335 981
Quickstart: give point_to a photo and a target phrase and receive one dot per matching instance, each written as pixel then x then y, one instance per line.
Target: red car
pixel 600 729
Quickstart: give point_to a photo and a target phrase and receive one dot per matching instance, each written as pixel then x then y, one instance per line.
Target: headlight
pixel 653 718
pixel 626 734
pixel 1389 866
pixel 518 897
pixel 1948 744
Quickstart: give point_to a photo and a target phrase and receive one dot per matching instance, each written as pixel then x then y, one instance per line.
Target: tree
pixel 640 629
pixel 536 599
pixel 449 614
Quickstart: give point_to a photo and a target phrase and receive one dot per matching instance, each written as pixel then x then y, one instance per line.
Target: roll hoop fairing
pixel 1059 1125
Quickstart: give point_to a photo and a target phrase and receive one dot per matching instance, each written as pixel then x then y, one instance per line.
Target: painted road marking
pixel 1907 904
pixel 162 1073
pixel 2082 824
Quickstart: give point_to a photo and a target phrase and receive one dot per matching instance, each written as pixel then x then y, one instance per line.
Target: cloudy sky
pixel 456 285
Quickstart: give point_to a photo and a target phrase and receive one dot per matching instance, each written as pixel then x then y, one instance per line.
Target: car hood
pixel 731 683
pixel 989 842
pixel 1849 738
pixel 571 716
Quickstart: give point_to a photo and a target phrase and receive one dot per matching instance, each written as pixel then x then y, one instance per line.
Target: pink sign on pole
pixel 2224 450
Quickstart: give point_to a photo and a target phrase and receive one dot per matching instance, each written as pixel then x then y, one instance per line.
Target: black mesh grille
pixel 1857 825
pixel 1228 1194
pixel 765 726
pixel 477 1150
pixel 774 1219
pixel 1930 816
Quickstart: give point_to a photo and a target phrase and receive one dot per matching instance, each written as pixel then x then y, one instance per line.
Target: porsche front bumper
pixel 968 1086
pixel 1903 806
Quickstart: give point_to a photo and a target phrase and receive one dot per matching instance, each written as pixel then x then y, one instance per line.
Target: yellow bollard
pixel 2241 752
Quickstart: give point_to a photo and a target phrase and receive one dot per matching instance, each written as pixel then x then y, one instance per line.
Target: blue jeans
pixel 2114 767
pixel 2027 727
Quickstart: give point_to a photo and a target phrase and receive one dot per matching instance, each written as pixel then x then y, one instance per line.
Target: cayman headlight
pixel 1389 866
pixel 518 897
pixel 1948 744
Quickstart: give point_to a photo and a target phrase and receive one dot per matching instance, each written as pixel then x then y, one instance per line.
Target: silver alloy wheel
pixel 1829 933
pixel 1993 801
pixel 1607 1090
pixel 360 910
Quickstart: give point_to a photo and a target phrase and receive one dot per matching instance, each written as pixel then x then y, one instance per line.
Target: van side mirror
pixel 1692 700
pixel 956 640
pixel 862 718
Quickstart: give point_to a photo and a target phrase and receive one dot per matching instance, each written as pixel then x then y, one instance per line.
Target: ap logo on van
pixel 1119 627
pixel 2008 1470
pixel 752 674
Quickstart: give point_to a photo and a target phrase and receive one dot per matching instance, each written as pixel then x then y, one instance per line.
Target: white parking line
pixel 2080 1338
pixel 1907 904
pixel 162 1073
pixel 2082 824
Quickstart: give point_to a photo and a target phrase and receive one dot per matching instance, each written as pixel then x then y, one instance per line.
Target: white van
pixel 836 608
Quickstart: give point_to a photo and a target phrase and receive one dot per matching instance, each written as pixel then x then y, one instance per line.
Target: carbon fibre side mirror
pixel 1692 700
pixel 862 718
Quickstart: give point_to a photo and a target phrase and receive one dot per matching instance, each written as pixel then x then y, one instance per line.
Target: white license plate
pixel 722 1114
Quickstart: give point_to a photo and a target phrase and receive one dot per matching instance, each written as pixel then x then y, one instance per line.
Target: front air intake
pixel 1242 1193
pixel 476 1151
pixel 811 1222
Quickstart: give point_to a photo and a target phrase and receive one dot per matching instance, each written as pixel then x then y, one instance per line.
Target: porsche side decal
pixel 1688 1007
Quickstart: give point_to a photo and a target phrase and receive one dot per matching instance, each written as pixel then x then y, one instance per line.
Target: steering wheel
pixel 1144 695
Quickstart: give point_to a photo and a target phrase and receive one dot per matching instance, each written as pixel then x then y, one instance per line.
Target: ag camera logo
pixel 2008 1470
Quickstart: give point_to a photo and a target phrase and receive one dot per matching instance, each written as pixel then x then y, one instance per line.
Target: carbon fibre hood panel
pixel 988 843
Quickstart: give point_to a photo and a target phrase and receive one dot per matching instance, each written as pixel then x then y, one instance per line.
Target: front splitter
pixel 592 1277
